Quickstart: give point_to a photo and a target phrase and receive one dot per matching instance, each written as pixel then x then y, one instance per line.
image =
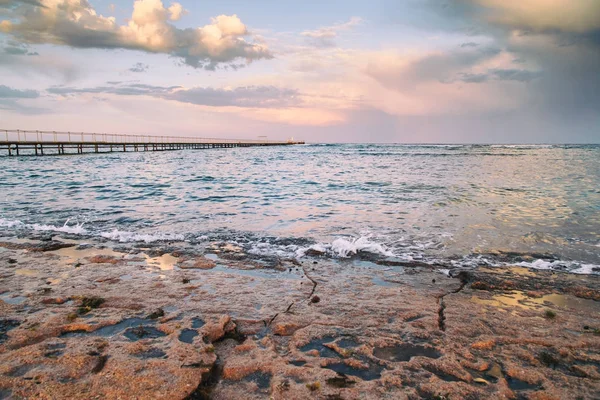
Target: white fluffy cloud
pixel 76 23
pixel 176 11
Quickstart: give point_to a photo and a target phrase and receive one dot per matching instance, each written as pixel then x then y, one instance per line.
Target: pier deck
pixel 39 143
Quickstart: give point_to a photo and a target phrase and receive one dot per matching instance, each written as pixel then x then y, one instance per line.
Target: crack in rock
pixel 465 277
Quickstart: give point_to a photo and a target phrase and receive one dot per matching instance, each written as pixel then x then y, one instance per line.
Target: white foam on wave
pixel 573 267
pixel 126 236
pixel 567 266
pixel 76 228
pixel 522 146
pixel 344 248
pixel 268 249
pixel 7 223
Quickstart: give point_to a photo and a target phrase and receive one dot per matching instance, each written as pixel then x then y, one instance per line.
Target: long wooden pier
pixel 40 143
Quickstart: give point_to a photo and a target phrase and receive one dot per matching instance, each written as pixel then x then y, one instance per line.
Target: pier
pixel 40 143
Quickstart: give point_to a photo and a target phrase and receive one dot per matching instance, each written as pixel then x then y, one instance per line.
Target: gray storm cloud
pixel 561 37
pixel 556 44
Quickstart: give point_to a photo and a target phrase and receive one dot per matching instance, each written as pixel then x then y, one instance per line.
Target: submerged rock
pixel 198 263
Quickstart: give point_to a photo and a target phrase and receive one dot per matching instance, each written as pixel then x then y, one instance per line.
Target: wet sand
pixel 166 322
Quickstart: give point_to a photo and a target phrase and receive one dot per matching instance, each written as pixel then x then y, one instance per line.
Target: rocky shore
pixel 91 321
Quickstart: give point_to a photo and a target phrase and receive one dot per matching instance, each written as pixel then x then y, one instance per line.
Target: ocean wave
pixel 566 266
pixel 366 245
pixel 523 146
pixel 265 249
pixel 126 236
pixel 338 248
pixel 346 248
pixel 6 223
pixel 76 229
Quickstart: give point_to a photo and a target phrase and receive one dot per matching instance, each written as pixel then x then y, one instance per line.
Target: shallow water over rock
pixel 404 352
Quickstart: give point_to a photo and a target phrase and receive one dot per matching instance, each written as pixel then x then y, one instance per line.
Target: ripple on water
pixel 431 200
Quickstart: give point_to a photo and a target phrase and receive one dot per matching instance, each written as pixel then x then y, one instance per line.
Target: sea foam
pixel 567 266
pixel 76 229
pixel 125 236
pixel 345 248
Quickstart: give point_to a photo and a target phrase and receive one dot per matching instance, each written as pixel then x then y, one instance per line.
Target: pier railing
pixel 26 142
pixel 49 137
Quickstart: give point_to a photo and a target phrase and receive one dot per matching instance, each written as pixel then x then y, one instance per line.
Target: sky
pixel 402 71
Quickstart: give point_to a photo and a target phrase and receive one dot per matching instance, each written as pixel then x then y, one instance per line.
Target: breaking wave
pixel 75 229
pixel 366 246
pixel 79 229
pixel 127 237
pixel 345 248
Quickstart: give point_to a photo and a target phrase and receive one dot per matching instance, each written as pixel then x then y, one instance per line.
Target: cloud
pixel 76 23
pixel 139 67
pixel 9 93
pixel 5 26
pixel 405 72
pixel 473 78
pixel 469 44
pixel 519 75
pixel 129 89
pixel 249 96
pixel 554 45
pixel 15 106
pixel 18 49
pixel 15 50
pixel 51 66
pixel 245 97
pixel 325 37
pixel 9 100
pixel 260 103
pixel 15 2
pixel 176 11
pixel 560 38
pixel 542 15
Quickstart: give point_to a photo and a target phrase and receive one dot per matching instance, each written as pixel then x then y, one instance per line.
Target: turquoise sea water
pixel 452 204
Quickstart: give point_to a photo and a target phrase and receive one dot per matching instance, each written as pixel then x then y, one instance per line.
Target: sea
pixel 536 206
